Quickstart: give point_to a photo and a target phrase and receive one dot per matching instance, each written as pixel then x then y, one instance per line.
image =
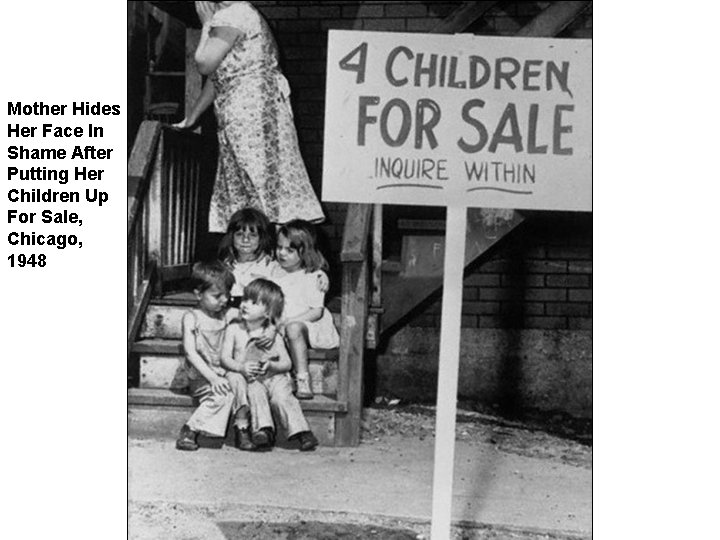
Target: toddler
pixel 266 372
pixel 305 320
pixel 203 332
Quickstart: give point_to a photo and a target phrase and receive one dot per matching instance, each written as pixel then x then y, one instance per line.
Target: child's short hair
pixel 252 219
pixel 209 274
pixel 301 236
pixel 265 292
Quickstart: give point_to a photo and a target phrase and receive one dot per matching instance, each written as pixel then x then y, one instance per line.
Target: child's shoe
pixel 187 439
pixel 307 440
pixel 304 390
pixel 243 441
pixel 263 439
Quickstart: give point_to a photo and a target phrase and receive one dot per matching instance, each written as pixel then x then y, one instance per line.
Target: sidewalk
pixel 390 478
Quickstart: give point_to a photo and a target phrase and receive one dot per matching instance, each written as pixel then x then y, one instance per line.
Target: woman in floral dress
pixel 259 162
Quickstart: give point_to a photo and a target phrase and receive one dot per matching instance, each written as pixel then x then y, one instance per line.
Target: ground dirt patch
pixel 311 530
pixel 528 438
pixel 153 521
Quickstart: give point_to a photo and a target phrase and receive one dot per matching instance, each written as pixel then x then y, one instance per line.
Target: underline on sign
pixel 499 189
pixel 409 185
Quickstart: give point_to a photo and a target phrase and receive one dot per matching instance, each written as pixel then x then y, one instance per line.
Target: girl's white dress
pixel 302 293
pixel 245 272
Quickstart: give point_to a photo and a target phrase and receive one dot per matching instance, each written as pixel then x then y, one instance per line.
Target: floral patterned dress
pixel 259 163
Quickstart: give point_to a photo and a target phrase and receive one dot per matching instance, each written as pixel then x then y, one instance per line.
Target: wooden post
pixel 193 79
pixel 448 364
pixel 352 339
pixel 354 311
pixel 554 19
pixel 155 240
pixel 377 253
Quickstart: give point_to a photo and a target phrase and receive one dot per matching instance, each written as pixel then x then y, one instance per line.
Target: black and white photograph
pixel 359 270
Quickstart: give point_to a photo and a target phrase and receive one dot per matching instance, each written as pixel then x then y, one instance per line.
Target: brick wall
pixel 541 277
pixel 538 277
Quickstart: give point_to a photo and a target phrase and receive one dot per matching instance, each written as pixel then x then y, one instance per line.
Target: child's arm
pixel 219 384
pixel 227 355
pixel 282 363
pixel 227 359
pixel 268 337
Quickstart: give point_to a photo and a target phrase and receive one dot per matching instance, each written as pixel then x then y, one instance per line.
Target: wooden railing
pixel 353 312
pixel 164 175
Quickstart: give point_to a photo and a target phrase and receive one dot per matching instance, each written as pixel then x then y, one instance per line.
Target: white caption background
pixel 64 456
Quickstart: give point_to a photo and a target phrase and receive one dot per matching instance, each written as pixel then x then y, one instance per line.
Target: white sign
pixel 458 120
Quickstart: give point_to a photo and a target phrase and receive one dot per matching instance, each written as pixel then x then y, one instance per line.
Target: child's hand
pixel 267 339
pixel 263 368
pixel 245 370
pixel 220 385
pixel 323 283
pixel 256 369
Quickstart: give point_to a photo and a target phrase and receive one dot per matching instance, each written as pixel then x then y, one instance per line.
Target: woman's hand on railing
pixel 184 125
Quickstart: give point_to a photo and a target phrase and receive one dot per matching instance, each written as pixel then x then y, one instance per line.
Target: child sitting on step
pixel 305 320
pixel 203 332
pixel 266 372
pixel 247 249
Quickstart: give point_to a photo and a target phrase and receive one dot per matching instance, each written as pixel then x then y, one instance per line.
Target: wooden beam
pixel 355 233
pixel 377 237
pixel 193 79
pixel 143 149
pixel 404 294
pixel 553 20
pixel 140 304
pixel 355 289
pixel 462 17
pixel 141 159
pixel 154 202
pixel 183 11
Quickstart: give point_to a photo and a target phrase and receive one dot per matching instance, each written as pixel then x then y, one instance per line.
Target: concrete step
pixel 162 365
pixel 174 346
pixel 159 397
pixel 159 414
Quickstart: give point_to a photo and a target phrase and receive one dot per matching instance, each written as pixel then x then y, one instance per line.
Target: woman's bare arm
pixel 206 98
pixel 214 48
